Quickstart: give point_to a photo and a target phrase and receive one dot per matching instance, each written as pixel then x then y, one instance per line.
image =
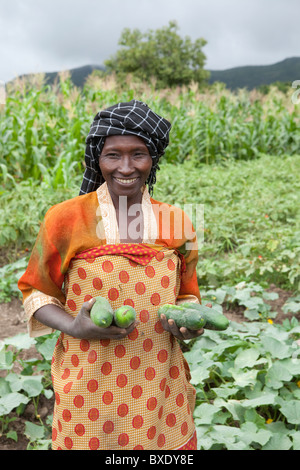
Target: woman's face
pixel 125 164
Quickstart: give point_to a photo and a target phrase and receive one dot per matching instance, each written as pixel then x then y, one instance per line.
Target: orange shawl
pixel 89 221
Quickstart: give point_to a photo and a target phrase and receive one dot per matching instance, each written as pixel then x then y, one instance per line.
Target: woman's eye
pixel 139 155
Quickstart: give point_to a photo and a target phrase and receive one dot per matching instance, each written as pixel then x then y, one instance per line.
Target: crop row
pixel 43 128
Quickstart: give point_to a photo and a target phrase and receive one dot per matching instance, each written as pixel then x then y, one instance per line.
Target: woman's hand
pixel 180 333
pixel 84 328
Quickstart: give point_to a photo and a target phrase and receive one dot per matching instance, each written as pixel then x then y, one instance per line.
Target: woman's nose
pixel 126 166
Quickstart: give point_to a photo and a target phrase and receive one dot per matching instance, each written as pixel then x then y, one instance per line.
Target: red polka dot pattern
pixel 107 397
pixel 97 283
pixel 122 410
pixel 134 391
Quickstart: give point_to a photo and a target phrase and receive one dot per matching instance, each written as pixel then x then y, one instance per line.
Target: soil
pixel 237 312
pixel 12 322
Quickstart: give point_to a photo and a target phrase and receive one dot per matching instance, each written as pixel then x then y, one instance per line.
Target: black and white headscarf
pixel 132 118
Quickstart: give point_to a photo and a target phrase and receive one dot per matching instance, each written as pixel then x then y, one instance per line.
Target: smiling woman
pixel 124 119
pixel 125 164
pixel 117 388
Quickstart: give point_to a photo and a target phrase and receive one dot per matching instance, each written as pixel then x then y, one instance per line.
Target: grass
pixel 251 217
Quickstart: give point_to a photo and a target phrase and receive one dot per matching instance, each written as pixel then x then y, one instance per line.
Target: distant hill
pixel 253 76
pixel 249 76
pixel 78 75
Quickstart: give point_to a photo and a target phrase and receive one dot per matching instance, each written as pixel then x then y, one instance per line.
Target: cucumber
pixel 214 320
pixel 124 316
pixel 182 316
pixel 195 316
pixel 102 313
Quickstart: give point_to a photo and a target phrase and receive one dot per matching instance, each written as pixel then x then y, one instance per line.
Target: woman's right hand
pixel 84 328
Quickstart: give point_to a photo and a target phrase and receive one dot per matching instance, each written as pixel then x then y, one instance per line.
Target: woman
pixel 116 388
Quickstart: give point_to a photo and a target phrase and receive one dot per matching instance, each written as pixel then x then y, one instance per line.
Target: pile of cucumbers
pixel 195 316
pixel 189 315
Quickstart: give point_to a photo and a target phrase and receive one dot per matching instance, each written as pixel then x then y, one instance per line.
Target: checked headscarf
pixel 131 118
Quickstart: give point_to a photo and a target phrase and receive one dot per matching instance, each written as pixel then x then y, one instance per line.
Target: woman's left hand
pixel 180 333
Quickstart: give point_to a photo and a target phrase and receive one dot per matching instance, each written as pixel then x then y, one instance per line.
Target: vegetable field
pixel 234 155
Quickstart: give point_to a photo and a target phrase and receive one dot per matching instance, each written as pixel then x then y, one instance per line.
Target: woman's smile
pixel 125 164
pixel 126 181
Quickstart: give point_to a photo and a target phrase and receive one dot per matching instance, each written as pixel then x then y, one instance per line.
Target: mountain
pixel 253 76
pixel 78 75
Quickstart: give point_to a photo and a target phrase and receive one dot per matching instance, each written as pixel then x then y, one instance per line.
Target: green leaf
pixel 254 303
pixel 252 416
pixel 48 393
pixel 4 387
pixel 246 358
pixel 252 314
pixel 201 372
pixel 20 341
pixel 6 359
pixel 244 379
pixel 265 398
pixel 40 444
pixel 15 381
pixel 277 375
pixel 217 295
pixel 205 413
pixel 234 407
pixel 11 401
pixel 12 435
pixel 204 440
pixel 229 436
pixel 47 347
pixel 291 410
pixel 270 295
pixel 226 390
pixel 293 364
pixel 252 434
pixel 33 386
pixel 276 348
pixel 278 442
pixel 292 305
pixel 34 431
pixel 296 440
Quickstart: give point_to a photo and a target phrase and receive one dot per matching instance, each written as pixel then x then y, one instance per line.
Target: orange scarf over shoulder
pixel 80 224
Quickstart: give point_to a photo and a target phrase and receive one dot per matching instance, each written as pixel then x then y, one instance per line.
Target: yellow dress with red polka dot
pixel 124 394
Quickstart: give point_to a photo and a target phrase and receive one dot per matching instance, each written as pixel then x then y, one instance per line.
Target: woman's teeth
pixel 127 181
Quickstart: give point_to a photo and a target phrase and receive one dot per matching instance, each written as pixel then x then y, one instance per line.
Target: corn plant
pixel 43 128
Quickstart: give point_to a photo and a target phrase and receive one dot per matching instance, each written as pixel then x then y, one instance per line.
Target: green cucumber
pixel 182 316
pixel 124 316
pixel 194 316
pixel 214 320
pixel 102 313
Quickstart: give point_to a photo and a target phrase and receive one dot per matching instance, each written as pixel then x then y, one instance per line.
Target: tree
pixel 160 54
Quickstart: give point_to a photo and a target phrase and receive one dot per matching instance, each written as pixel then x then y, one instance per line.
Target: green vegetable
pixel 124 316
pixel 101 313
pixel 182 316
pixel 194 316
pixel 214 320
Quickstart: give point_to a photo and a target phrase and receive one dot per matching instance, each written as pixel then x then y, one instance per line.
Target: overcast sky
pixel 45 36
